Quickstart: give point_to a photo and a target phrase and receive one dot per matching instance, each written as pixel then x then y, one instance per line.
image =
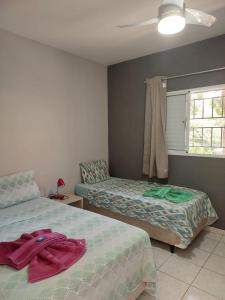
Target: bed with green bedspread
pixel 118 257
pixel 126 197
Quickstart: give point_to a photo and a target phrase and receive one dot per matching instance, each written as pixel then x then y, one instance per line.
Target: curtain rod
pixel 191 74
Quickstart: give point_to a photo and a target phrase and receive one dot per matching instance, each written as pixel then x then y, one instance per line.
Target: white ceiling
pixel 88 29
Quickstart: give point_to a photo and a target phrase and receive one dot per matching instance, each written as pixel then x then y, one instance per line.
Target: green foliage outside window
pixel 207 123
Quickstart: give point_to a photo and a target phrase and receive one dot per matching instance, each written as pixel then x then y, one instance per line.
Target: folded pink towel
pixel 47 253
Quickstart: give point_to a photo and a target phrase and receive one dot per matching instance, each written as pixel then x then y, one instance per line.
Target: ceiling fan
pixel 173 16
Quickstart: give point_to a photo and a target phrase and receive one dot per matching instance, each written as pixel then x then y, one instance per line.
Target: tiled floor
pixel 197 273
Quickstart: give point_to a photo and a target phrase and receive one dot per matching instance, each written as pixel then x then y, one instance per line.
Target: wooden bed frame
pixel 155 232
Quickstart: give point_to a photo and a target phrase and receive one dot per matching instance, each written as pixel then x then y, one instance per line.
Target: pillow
pixel 94 171
pixel 17 188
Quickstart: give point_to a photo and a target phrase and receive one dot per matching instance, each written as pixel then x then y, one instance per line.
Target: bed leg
pixel 172 248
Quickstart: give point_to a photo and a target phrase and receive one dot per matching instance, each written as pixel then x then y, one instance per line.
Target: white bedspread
pixel 118 258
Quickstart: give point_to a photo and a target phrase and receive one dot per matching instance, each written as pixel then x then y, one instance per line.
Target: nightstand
pixel 72 199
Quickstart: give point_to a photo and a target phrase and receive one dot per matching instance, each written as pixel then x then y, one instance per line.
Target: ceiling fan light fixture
pixel 171 18
pixel 173 15
pixel 171 24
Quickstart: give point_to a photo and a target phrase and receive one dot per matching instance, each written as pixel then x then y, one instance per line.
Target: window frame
pixel 188 92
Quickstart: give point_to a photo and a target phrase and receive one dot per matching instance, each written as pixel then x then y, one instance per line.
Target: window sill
pixel 183 153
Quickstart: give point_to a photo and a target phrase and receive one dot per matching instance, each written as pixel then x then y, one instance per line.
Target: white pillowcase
pixel 17 188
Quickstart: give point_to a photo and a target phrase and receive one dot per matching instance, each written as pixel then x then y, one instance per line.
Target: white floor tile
pixel 211 283
pixel 220 249
pixel 211 235
pixel 180 269
pixel 195 294
pixel 160 255
pixel 169 288
pixel 193 255
pixel 180 276
pixel 215 230
pixel 204 243
pixel 216 263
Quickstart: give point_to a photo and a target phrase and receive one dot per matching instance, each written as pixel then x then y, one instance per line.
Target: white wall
pixel 53 111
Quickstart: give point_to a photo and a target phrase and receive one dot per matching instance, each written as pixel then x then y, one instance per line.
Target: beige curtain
pixel 155 159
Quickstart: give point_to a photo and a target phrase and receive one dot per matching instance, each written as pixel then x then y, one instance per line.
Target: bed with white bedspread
pixel 118 259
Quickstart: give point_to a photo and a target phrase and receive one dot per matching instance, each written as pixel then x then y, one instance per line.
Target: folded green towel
pixel 170 194
pixel 157 192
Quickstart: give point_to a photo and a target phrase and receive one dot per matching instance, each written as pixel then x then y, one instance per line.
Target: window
pixel 196 121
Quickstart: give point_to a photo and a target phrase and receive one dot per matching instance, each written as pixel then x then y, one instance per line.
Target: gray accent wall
pixel 126 107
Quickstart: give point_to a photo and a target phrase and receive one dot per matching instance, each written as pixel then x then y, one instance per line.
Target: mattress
pixel 83 189
pixel 126 197
pixel 118 258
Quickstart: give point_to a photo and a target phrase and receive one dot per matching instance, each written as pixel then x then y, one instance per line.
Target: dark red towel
pixel 47 253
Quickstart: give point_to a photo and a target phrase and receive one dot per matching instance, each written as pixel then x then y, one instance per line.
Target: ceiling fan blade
pixel 139 24
pixel 197 17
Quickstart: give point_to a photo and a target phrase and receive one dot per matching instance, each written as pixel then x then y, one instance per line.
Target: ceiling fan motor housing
pixel 167 10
